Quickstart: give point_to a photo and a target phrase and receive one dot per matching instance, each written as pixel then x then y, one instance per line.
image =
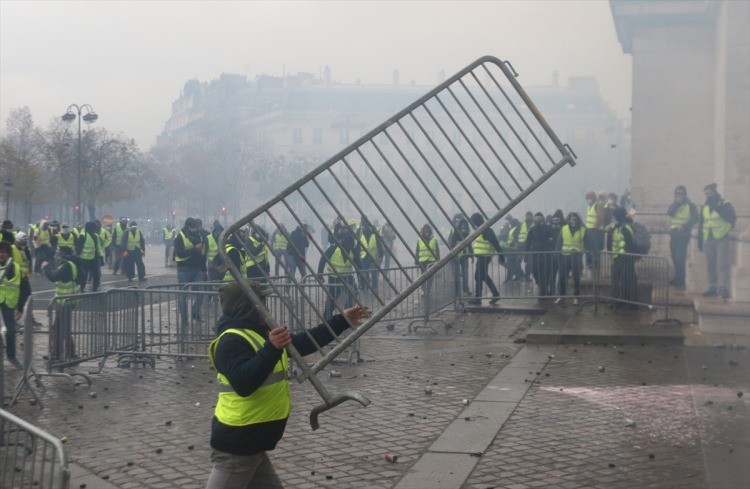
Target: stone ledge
pixel 719 307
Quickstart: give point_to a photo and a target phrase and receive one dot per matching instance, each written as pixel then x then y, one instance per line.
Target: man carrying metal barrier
pixel 251 363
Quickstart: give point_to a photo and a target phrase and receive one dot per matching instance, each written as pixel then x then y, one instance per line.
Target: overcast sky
pixel 130 59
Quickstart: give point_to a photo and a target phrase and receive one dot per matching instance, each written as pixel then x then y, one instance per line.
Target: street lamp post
pixel 8 188
pixel 74 111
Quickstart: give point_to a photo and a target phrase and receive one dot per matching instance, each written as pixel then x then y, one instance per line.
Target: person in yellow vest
pixel 10 291
pixel 620 242
pixel 595 215
pixel 338 262
pixel 189 256
pixel 65 276
pixel 570 243
pixel 66 237
pixel 427 251
pixel 370 252
pixel 485 246
pixel 716 220
pixel 134 249
pixel 279 245
pixel 684 215
pixel 256 247
pixel 91 255
pixel 105 239
pixel 169 233
pixel 236 254
pixel 22 256
pixel 212 252
pixel 254 403
pixel 43 246
pixel 117 233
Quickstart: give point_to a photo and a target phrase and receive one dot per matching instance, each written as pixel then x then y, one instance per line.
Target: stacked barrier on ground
pixel 475 144
pixel 30 458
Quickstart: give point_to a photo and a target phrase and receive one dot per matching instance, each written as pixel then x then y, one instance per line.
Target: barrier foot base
pixel 349 396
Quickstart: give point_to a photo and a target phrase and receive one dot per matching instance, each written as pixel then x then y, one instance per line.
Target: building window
pixel 317 136
pixel 296 135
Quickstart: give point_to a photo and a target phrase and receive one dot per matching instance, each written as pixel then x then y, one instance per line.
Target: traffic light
pixel 77 207
pixel 174 213
pixel 223 208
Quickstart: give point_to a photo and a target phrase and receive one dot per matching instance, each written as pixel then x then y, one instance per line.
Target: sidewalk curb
pixel 453 455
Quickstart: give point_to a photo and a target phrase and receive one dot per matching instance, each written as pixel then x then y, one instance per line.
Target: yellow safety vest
pixel 714 226
pixel 280 241
pixel 69 241
pixel 134 240
pixel 260 257
pixel 10 289
pixel 482 246
pixel 591 217
pixel 369 247
pixel 228 277
pixel 427 253
pixel 339 263
pixel 70 287
pixel 44 237
pixel 270 402
pixel 105 238
pixel 187 243
pixel 681 217
pixel 213 248
pixel 117 234
pixel 20 258
pixel 618 240
pixel 572 242
pixel 90 250
pixel 168 234
pixel 523 233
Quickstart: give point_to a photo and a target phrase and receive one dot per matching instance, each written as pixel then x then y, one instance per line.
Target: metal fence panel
pixel 474 144
pixel 30 457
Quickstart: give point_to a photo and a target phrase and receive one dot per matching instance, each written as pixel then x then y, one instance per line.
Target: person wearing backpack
pixel 621 242
pixel 684 216
pixel 717 219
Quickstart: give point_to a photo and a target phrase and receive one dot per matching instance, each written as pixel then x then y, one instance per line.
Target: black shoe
pixel 495 299
pixel 724 293
pixel 712 292
pixel 144 279
pixel 474 302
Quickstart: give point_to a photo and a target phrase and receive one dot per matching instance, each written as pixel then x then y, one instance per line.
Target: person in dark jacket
pixel 189 256
pixel 251 362
pixel 717 219
pixel 620 241
pixel 296 251
pixel 134 249
pixel 539 243
pixel 484 247
pixel 459 232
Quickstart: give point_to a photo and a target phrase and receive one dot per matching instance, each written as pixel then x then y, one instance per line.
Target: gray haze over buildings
pixel 130 60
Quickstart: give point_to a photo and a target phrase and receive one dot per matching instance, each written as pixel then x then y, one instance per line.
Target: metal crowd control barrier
pixel 30 458
pixel 636 281
pixel 474 144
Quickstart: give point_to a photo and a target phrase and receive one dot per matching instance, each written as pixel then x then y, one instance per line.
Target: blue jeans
pixel 186 276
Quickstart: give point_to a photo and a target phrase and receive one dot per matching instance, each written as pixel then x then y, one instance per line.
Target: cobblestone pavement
pixel 148 428
pixel 632 416
pixel 141 427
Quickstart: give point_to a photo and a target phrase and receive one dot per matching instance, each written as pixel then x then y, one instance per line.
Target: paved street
pixel 641 414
